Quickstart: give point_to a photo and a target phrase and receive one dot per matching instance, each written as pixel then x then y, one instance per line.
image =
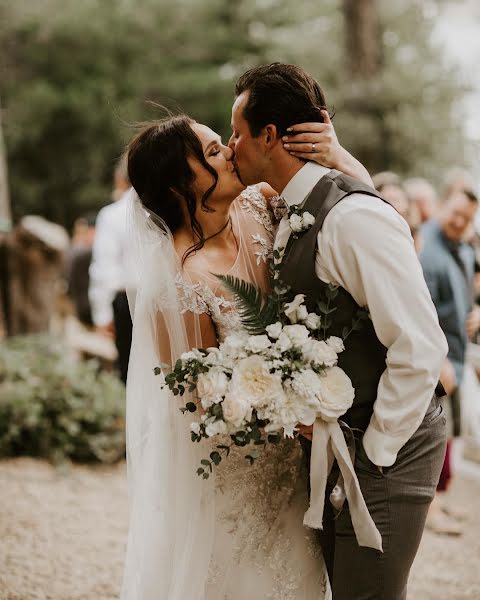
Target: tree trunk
pixel 5 213
pixel 362 37
pixel 5 225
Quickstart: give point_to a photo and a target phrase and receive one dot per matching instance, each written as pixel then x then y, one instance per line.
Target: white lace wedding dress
pixel 261 549
pixel 239 535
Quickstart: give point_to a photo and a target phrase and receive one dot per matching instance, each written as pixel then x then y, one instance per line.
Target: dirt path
pixel 62 537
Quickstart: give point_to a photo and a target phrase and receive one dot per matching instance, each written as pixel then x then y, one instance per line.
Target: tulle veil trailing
pixel 171 520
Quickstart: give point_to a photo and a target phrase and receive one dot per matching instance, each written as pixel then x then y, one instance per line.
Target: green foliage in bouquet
pixel 53 406
pixel 256 310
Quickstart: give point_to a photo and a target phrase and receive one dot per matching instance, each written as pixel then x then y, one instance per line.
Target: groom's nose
pixel 229 153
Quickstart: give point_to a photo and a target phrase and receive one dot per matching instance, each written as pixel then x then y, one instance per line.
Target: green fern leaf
pixel 255 310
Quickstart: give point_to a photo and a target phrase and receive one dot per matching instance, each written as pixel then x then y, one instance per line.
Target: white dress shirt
pixel 107 270
pixel 366 247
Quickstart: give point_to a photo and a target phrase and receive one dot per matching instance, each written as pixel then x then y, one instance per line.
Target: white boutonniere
pixel 299 221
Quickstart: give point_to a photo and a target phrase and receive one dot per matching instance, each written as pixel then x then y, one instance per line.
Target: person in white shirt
pixel 363 246
pixel 108 300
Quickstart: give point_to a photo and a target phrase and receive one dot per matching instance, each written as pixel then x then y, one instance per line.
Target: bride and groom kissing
pixel 200 207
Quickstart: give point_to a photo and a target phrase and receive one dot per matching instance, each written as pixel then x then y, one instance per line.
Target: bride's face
pixel 220 158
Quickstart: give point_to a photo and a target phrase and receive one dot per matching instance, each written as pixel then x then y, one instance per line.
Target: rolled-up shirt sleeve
pixel 366 247
pixel 106 269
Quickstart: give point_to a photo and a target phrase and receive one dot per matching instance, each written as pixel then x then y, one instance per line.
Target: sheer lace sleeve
pixel 255 205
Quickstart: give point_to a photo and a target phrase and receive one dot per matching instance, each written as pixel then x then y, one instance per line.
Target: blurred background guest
pixel 422 193
pixel 448 262
pixel 108 299
pixel 457 179
pixel 79 258
pixel 390 186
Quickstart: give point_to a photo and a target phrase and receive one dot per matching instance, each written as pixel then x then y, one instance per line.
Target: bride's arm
pixel 198 329
pixel 318 142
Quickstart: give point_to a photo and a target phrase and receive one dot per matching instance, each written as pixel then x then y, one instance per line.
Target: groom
pixel 361 244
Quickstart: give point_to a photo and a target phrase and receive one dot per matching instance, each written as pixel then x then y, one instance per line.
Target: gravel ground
pixel 62 537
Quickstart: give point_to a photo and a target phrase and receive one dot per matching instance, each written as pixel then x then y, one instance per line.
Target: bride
pixel 239 534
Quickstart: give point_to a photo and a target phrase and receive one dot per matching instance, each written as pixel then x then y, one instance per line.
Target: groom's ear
pixel 270 135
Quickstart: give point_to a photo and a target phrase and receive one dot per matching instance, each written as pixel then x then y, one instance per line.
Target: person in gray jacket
pixel 449 264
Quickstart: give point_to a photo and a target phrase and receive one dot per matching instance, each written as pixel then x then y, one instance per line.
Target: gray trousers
pixel 398 502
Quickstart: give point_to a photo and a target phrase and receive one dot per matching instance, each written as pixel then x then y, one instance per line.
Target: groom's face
pixel 249 151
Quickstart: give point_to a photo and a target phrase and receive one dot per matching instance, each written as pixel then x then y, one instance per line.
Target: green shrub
pixel 52 405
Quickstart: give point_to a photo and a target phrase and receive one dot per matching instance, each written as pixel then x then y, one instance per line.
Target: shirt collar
pixel 302 183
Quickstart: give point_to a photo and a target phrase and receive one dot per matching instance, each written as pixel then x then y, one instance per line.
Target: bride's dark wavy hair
pixel 159 171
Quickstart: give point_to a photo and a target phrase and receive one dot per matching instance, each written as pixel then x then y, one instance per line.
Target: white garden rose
pixel 299 334
pixel 296 223
pixel 195 427
pixel 313 321
pixel 213 357
pixel 207 401
pixel 307 415
pixel 216 428
pixel 337 394
pixel 211 386
pixel 252 381
pixel 274 330
pixel 284 342
pixel 302 313
pixel 336 344
pixel 188 356
pixel 234 344
pixel 292 307
pixel 258 343
pixel 236 409
pixel 307 384
pixel 308 219
pixel 321 353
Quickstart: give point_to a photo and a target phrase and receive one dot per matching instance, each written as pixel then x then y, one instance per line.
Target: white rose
pixel 284 342
pixel 337 394
pixel 195 427
pixel 296 223
pixel 213 356
pixel 313 321
pixel 308 219
pixel 321 353
pixel 188 356
pixel 236 409
pixel 252 381
pixel 208 401
pixel 307 415
pixel 234 344
pixel 302 313
pixel 292 307
pixel 258 343
pixel 216 428
pixel 274 330
pixel 298 334
pixel 211 386
pixel 336 344
pixel 307 384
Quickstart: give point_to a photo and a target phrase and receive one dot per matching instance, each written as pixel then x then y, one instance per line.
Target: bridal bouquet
pixel 260 383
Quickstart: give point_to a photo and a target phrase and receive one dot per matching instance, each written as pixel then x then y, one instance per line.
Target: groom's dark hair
pixel 282 95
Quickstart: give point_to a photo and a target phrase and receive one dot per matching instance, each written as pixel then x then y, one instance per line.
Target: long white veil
pixel 171 509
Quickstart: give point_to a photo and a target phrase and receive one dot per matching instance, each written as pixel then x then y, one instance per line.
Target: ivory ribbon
pixel 328 444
